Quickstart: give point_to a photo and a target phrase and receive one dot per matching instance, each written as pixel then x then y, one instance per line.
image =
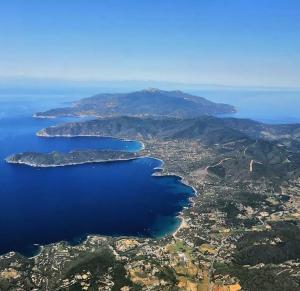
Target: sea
pixel 39 206
pixel 272 106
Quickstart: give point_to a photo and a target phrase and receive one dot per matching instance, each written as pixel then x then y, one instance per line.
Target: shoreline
pixel 158 171
pixel 183 224
pixel 91 135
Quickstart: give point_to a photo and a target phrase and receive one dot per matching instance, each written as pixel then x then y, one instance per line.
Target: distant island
pixel 58 159
pixel 150 102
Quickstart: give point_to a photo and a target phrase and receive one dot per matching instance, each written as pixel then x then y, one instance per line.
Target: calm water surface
pixel 277 106
pixel 40 206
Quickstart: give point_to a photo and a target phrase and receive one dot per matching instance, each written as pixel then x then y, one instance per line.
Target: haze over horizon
pixel 244 43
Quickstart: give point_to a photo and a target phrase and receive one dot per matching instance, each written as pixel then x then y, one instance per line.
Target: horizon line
pixel 86 82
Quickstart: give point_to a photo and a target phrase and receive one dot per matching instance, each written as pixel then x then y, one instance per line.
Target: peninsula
pixel 57 159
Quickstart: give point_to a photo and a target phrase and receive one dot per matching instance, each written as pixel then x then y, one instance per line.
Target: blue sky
pixel 230 42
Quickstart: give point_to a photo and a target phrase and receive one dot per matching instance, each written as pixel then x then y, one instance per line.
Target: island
pixel 149 102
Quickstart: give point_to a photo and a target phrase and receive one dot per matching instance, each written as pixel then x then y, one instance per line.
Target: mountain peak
pixel 152 90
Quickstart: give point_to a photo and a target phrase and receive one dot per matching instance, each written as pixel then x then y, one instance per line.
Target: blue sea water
pixel 269 106
pixel 41 206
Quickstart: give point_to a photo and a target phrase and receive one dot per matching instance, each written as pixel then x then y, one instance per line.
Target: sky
pixel 228 42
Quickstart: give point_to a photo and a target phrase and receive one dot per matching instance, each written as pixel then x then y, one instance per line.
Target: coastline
pixel 70 164
pixel 159 171
pixel 183 224
pixel 90 135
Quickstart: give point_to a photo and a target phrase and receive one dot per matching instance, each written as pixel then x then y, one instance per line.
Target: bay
pixel 43 205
